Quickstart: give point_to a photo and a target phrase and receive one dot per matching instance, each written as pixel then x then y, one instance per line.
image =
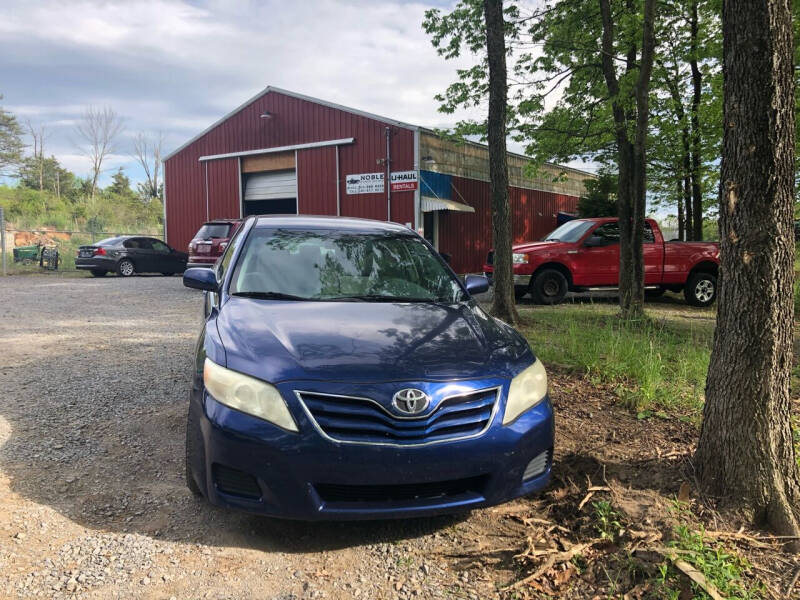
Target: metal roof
pixel 354 111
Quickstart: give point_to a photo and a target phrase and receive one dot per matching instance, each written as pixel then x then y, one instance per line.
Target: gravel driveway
pixel 94 379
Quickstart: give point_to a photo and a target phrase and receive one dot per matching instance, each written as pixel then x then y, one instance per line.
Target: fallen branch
pixel 691 572
pixel 552 560
pixel 790 587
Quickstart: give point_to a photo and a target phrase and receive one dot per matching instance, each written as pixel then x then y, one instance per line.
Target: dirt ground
pixel 94 379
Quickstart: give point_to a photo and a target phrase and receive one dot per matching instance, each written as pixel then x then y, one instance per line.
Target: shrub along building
pixel 282 152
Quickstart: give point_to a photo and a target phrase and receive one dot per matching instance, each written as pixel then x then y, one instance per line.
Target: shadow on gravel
pixel 93 411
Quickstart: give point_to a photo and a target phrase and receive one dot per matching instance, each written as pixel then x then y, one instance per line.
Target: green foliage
pixel 655 365
pixel 121 210
pixel 559 105
pixel 600 199
pixel 607 521
pixel 54 177
pixel 722 568
pixel 11 144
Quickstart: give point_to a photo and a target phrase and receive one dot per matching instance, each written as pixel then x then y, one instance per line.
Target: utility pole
pixel 388 174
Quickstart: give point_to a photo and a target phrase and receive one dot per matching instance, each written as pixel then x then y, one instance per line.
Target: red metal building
pixel 282 152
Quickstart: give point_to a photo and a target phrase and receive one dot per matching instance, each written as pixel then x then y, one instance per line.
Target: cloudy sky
pixel 176 66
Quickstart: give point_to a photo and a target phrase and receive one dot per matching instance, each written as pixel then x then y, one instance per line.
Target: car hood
pixel 367 342
pixel 533 246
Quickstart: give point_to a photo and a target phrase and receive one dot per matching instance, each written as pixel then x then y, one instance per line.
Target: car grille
pixel 490 258
pixel 331 492
pixel 360 420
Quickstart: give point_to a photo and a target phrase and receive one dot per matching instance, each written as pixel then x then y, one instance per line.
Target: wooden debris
pixel 553 559
pixel 691 572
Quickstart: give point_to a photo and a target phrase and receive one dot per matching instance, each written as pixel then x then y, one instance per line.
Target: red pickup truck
pixel 583 255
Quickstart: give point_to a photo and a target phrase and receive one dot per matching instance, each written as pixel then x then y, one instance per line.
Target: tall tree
pixel 38 135
pixel 147 152
pixel 98 131
pixel 11 144
pixel 745 452
pixel 503 305
pixel 630 108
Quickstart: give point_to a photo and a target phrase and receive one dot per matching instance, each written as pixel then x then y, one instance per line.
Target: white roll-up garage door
pixel 271 185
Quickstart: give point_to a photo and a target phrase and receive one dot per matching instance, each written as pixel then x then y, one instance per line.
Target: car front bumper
pixel 519 280
pixel 305 476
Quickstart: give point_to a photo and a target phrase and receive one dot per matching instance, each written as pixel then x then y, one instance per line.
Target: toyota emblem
pixel 411 401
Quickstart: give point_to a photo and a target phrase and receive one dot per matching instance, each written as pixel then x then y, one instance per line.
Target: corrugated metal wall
pixel 293 121
pixel 223 189
pixel 316 181
pixel 467 237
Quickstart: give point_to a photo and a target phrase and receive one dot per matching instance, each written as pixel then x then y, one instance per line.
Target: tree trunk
pixel 503 306
pixel 679 186
pixel 631 155
pixel 745 452
pixel 687 202
pixel 697 90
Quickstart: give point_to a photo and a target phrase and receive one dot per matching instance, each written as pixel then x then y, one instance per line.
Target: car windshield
pixel 296 264
pixel 571 231
pixel 213 230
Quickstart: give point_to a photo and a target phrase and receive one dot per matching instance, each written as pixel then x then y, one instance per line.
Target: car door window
pixel 649 237
pixel 160 247
pixel 131 244
pixel 225 261
pixel 145 244
pixel 609 233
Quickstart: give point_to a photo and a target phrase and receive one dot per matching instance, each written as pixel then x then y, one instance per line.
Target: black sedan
pixel 129 254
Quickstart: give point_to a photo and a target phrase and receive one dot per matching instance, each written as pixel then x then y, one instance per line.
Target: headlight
pixel 247 394
pixel 526 391
pixel 519 259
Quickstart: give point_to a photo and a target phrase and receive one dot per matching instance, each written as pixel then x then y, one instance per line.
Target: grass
pixel 723 568
pixel 657 366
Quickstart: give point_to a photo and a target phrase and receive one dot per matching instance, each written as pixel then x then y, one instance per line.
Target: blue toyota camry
pixel 345 372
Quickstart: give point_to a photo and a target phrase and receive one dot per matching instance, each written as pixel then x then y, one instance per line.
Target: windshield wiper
pixel 269 296
pixel 382 298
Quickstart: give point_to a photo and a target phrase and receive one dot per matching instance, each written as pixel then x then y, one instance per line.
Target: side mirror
pixel 476 284
pixel 200 279
pixel 594 241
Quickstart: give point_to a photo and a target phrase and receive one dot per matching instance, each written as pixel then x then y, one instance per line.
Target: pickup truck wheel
pixel 549 287
pixel 701 289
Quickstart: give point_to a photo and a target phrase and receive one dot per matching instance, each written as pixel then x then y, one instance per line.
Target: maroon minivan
pixel 210 242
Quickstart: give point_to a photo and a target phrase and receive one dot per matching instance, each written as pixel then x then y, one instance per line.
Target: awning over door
pixel 271 185
pixel 430 204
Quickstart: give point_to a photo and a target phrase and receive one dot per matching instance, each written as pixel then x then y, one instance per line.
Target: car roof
pixel 329 222
pixel 222 222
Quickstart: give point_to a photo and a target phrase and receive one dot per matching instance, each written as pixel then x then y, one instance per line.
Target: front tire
pixel 98 273
pixel 193 448
pixel 701 289
pixel 549 287
pixel 126 268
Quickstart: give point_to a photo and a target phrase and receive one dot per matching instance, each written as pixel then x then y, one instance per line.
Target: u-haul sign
pixel 403 181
